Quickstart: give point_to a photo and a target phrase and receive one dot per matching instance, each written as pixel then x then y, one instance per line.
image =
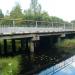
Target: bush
pixel 9 65
pixel 68 45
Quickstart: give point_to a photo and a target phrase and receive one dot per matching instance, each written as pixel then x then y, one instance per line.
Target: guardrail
pixel 58 67
pixel 32 23
pixel 23 26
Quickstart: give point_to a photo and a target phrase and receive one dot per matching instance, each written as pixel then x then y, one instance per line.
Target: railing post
pixel 64 27
pixel 36 24
pixel 52 24
pixel 72 27
pixel 58 26
pixel 13 26
pixel 13 23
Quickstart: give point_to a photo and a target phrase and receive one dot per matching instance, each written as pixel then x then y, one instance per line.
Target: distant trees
pixel 16 12
pixel 35 6
pixel 73 21
pixel 1 14
pixel 33 13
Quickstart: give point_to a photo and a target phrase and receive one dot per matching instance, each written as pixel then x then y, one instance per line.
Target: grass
pixel 9 65
pixel 67 45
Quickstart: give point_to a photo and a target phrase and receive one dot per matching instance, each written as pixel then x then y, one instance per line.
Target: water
pixel 66 67
pixel 69 70
pixel 40 63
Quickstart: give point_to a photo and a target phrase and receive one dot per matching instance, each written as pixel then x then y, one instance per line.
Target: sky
pixel 64 9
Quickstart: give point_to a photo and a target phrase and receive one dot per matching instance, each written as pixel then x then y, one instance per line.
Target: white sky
pixel 64 9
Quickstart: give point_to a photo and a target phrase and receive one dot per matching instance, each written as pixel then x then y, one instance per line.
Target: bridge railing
pixel 15 25
pixel 58 67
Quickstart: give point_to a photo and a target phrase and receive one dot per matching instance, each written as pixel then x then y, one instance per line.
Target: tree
pixel 35 6
pixel 16 12
pixel 38 8
pixel 34 12
pixel 1 14
pixel 73 21
pixel 45 16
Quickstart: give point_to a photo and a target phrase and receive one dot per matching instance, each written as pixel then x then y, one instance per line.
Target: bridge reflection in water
pixel 66 67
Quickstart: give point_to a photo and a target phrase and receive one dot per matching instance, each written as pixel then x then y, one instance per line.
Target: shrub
pixel 67 45
pixel 9 65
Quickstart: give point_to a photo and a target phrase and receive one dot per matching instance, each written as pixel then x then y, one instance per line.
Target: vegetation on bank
pixel 67 45
pixel 9 65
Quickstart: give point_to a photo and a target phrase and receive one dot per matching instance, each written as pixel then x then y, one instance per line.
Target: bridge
pixel 34 36
pixel 34 28
pixel 30 32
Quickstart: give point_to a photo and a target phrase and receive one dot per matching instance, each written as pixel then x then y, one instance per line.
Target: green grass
pixel 67 45
pixel 9 65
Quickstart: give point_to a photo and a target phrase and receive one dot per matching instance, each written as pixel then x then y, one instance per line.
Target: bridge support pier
pixel 59 39
pixel 32 50
pixel 33 46
pixel 5 46
pixel 27 51
pixel 22 44
pixel 13 46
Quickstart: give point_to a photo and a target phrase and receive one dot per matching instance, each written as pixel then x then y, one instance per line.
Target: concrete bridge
pixel 35 28
pixel 30 32
pixel 34 36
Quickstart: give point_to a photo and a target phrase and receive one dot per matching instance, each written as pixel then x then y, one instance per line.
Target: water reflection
pixel 40 62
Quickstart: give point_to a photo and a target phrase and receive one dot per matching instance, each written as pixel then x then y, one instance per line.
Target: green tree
pixel 16 12
pixel 73 21
pixel 1 14
pixel 34 12
pixel 45 16
pixel 33 6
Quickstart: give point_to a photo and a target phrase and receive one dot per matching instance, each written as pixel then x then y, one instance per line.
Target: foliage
pixel 9 65
pixel 16 12
pixel 68 45
pixel 73 21
pixel 35 7
pixel 33 13
pixel 1 14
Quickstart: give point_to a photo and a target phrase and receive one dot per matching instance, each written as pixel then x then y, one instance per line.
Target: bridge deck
pixel 10 30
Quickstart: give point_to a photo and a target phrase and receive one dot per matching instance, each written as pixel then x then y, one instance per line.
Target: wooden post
pixel 13 46
pixel 5 46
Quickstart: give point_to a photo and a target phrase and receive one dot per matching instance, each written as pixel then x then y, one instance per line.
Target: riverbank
pixel 9 65
pixel 66 46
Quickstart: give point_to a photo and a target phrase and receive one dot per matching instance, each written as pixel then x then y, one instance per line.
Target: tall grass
pixel 67 45
pixel 9 65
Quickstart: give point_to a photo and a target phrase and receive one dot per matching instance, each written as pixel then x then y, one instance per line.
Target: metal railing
pixel 31 23
pixel 58 67
pixel 16 25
